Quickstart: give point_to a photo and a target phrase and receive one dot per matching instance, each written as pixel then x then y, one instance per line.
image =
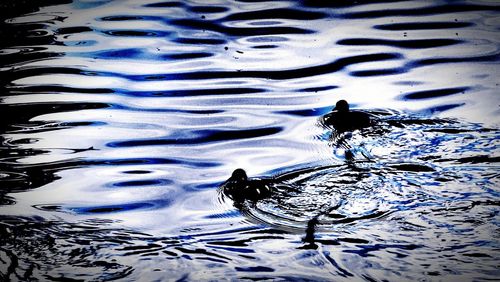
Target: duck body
pixel 349 121
pixel 239 188
pixel 343 119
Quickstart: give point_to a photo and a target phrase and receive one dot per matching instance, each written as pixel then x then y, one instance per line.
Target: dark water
pixel 120 120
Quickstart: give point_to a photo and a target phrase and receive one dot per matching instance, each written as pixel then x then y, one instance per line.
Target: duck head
pixel 342 106
pixel 236 182
pixel 239 175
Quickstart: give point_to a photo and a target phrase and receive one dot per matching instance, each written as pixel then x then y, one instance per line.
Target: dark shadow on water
pixel 200 137
pixel 426 10
pixel 423 25
pixel 435 93
pixel 417 44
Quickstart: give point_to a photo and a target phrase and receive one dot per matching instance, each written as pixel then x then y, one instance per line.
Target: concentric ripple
pixel 372 185
pixel 342 194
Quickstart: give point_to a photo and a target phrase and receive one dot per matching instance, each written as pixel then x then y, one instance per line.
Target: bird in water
pixel 343 119
pixel 239 188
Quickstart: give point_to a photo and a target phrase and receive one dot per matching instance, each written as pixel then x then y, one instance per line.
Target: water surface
pixel 122 118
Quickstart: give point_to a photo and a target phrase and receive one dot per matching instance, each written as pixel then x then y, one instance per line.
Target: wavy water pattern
pixel 121 120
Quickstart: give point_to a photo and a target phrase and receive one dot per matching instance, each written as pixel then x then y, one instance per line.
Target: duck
pixel 240 188
pixel 343 119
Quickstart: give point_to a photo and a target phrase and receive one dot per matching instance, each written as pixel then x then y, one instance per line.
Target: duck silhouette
pixel 240 188
pixel 343 119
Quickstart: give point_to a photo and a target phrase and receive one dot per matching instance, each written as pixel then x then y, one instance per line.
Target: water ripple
pixel 429 10
pixel 277 75
pixel 234 31
pixel 435 93
pixel 422 43
pixel 120 120
pixel 404 26
pixel 201 137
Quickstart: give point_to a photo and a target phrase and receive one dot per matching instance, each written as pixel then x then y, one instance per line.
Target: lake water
pixel 121 119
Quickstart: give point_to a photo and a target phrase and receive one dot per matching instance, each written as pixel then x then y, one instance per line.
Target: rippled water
pixel 121 119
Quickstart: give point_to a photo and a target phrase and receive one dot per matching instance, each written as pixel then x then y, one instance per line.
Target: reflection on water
pixel 122 118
